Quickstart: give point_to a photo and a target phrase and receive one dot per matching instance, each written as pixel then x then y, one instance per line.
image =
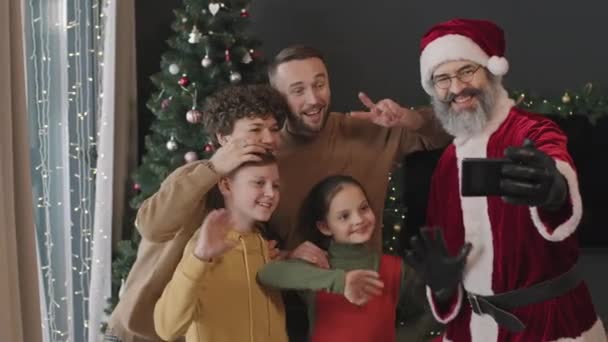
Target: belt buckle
pixel 474 303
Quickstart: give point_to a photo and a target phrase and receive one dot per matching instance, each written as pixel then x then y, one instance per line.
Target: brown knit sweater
pixel 351 147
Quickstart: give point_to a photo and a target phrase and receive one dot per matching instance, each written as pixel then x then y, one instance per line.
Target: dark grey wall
pixel 594 263
pixel 373 45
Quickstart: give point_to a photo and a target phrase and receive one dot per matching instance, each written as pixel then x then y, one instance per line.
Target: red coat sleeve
pixel 557 225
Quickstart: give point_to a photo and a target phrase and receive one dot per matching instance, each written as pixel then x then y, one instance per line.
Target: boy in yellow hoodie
pixel 213 295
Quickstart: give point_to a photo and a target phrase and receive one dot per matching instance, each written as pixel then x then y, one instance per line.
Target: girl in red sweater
pixel 356 298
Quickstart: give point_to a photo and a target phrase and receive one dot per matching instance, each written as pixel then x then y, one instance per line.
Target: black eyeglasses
pixel 464 75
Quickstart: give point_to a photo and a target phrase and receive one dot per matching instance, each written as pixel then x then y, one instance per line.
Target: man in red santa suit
pixel 515 276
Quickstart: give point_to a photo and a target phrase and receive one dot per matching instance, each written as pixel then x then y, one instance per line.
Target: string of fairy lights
pixel 64 48
pixel 393 212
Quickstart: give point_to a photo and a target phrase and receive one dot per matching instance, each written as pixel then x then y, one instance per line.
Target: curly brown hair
pixel 226 106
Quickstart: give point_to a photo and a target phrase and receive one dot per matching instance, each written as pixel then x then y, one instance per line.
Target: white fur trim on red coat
pixel 452 313
pixel 569 226
pixel 478 271
pixel 479 268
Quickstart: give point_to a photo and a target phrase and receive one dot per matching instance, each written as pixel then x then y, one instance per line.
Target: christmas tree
pixel 211 48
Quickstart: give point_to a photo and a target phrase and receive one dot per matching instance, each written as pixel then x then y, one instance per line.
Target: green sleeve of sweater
pixel 418 323
pixel 300 275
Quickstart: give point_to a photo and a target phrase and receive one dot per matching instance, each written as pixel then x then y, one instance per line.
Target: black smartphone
pixel 481 176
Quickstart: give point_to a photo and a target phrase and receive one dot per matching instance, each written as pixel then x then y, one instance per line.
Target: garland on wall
pixel 588 101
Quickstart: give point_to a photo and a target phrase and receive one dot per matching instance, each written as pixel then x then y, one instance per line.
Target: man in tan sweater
pixel 315 143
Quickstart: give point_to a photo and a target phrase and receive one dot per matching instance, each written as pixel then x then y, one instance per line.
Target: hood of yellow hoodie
pixel 251 241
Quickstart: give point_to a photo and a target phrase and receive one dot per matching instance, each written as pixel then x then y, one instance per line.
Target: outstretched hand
pixel 532 179
pixel 362 285
pixel 212 240
pixel 430 258
pixel 388 113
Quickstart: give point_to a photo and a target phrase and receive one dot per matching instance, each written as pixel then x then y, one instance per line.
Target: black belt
pixel 497 305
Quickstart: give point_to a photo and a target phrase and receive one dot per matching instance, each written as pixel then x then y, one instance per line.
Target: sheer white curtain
pixel 63 52
pixel 101 281
pixel 117 147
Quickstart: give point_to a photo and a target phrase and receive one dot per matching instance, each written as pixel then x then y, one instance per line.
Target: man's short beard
pixel 466 123
pixel 295 124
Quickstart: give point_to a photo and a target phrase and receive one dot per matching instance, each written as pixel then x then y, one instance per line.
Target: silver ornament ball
pixel 194 116
pixel 206 62
pixel 235 77
pixel 174 69
pixel 171 145
pixel 191 156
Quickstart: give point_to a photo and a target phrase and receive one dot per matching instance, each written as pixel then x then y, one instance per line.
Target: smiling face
pixel 305 85
pixel 350 218
pixel 249 112
pixel 262 129
pixel 252 193
pixel 463 97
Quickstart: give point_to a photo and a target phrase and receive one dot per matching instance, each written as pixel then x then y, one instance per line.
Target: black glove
pixel 430 258
pixel 533 179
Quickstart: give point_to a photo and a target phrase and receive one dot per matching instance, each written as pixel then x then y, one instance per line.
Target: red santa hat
pixel 479 41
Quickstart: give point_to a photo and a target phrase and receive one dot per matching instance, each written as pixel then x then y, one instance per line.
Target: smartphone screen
pixel 481 176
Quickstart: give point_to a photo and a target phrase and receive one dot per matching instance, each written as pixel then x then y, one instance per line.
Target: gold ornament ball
pixel 566 98
pixel 397 227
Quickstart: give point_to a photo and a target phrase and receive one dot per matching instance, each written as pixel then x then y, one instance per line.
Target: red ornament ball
pixel 184 81
pixel 209 148
pixel 165 103
pixel 244 13
pixel 136 187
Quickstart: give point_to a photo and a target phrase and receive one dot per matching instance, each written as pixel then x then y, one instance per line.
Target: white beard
pixel 466 123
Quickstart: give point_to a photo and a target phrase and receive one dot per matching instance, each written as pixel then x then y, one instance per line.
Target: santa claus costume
pixel 516 248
